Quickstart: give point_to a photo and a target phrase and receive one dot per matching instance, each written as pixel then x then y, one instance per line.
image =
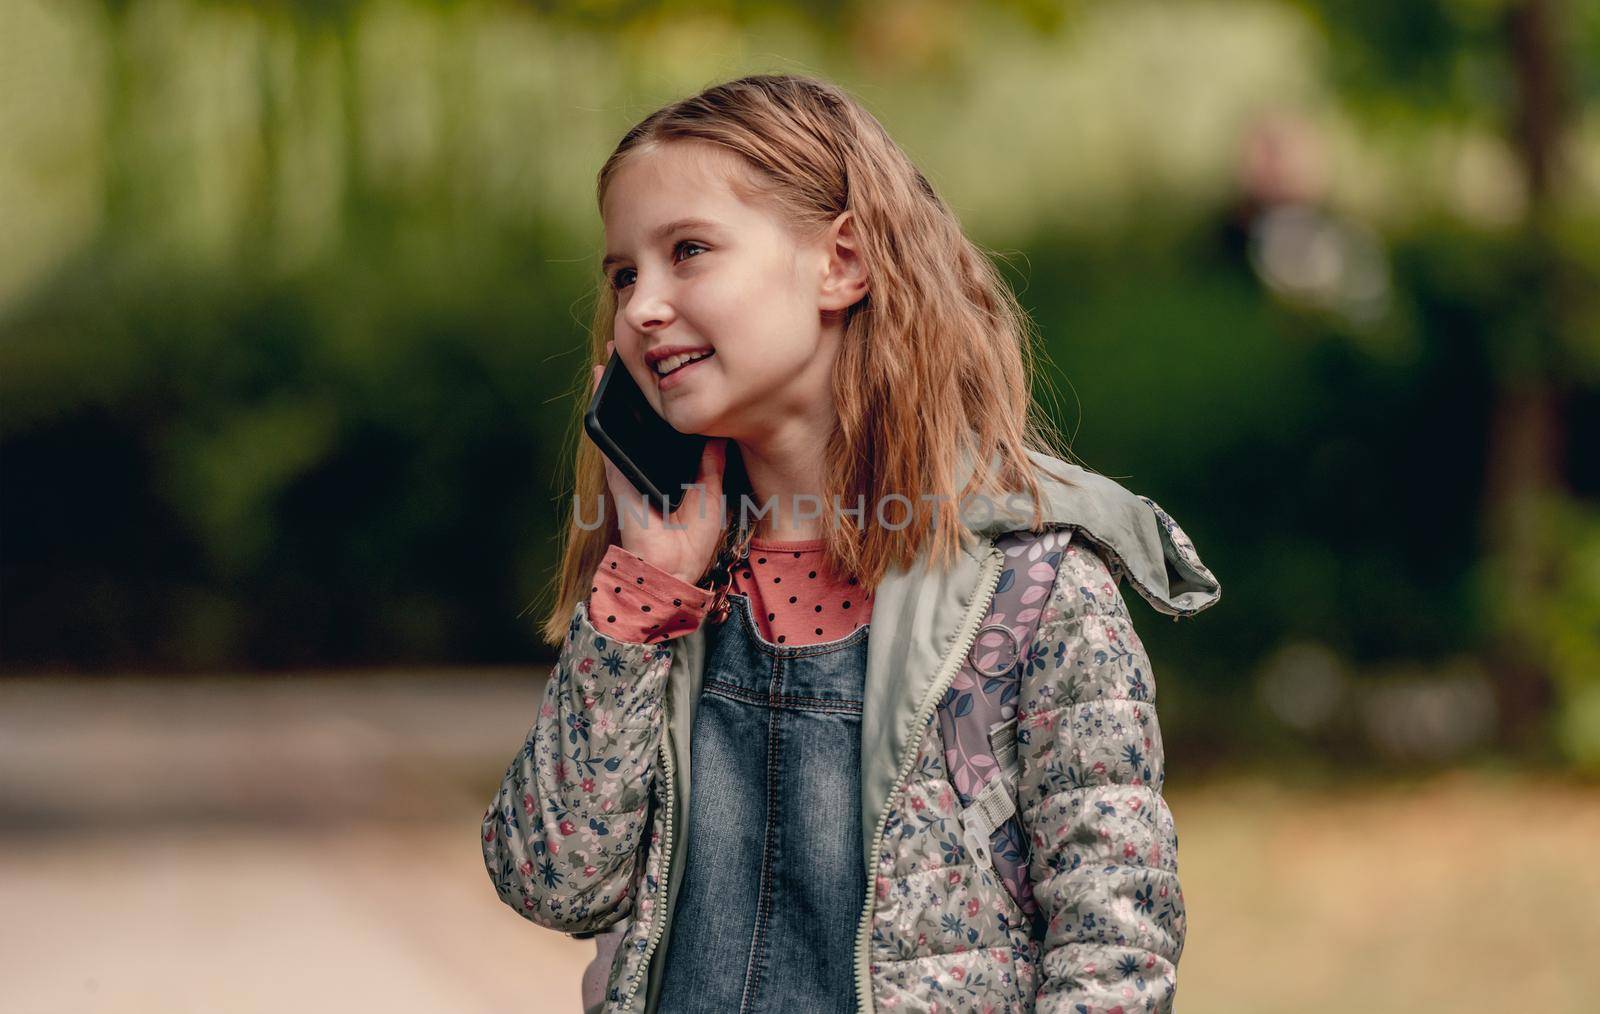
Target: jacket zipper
pixel 989 580
pixel 666 871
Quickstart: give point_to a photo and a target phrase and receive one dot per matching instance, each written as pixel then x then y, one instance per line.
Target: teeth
pixel 671 363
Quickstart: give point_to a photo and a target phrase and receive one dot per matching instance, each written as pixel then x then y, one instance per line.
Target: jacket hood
pixel 1139 539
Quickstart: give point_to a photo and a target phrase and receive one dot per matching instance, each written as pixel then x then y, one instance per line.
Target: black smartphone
pixel 657 459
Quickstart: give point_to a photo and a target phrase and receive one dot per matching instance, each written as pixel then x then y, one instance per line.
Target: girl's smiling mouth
pixel 671 364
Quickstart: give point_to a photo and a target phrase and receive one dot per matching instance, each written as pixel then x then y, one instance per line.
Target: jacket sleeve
pixel 562 836
pixel 1103 858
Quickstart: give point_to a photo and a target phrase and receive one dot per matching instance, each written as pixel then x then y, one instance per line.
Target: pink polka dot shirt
pixel 793 598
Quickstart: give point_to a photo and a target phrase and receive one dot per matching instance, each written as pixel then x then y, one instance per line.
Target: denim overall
pixel 773 884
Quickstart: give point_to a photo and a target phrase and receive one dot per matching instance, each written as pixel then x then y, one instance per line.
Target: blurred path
pixel 276 844
pixel 310 843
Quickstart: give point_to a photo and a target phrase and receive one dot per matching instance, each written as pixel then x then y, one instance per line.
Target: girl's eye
pixel 616 277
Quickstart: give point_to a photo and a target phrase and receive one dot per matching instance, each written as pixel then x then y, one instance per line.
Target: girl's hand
pixel 684 550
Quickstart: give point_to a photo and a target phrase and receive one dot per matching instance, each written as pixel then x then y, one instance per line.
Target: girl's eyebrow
pixel 661 232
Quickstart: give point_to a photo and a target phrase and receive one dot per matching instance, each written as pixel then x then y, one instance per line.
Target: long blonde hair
pixel 937 360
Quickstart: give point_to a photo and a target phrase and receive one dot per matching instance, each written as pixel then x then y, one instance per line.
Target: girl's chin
pixel 711 425
pixel 685 418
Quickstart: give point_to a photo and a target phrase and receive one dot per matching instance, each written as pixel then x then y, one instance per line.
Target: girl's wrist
pixel 689 581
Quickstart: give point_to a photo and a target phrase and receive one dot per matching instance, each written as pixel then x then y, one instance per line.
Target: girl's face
pixel 695 268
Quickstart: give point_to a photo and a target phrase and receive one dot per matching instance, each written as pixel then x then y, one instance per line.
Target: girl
pixel 735 769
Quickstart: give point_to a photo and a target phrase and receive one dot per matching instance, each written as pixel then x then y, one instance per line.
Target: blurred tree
pixel 1525 66
pixel 1534 366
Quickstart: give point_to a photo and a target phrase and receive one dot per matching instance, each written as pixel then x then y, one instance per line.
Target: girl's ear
pixel 844 274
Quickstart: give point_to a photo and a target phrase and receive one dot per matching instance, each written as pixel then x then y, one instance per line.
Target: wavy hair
pixel 936 362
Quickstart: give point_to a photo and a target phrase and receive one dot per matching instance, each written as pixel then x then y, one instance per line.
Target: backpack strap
pixel 977 714
pixel 994 804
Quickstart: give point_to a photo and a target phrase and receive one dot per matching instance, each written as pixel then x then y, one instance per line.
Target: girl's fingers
pixel 710 466
pixel 701 502
pixel 713 462
pixel 626 496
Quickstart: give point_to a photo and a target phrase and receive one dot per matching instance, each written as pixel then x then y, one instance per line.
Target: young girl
pixel 735 768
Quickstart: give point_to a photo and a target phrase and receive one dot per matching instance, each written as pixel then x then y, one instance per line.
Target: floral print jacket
pixel 579 836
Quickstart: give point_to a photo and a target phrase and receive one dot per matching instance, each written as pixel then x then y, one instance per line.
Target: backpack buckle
pixel 992 807
pixel 1016 650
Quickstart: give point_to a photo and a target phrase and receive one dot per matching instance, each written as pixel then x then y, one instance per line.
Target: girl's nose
pixel 646 310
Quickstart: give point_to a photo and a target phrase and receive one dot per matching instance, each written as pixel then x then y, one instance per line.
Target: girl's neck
pixel 785 476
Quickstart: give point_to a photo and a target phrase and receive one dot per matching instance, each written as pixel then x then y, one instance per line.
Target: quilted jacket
pixel 580 835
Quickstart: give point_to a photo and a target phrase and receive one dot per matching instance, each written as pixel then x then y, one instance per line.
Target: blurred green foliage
pixel 292 303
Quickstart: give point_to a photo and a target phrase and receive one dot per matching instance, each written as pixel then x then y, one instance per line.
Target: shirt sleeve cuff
pixel 633 600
